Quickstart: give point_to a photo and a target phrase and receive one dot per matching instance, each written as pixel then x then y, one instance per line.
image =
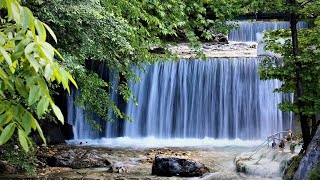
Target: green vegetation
pixel 315 173
pixel 27 70
pixel 21 160
pixel 291 170
pixel 299 66
pixel 119 35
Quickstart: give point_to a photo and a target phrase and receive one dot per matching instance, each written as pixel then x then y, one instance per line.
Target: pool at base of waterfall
pixel 152 142
pixel 136 157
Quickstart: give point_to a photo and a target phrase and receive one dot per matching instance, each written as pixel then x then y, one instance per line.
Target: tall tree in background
pixel 298 61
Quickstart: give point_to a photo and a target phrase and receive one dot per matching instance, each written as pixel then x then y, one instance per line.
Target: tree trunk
pixel 315 125
pixel 299 83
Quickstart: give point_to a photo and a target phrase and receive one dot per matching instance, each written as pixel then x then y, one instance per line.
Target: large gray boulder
pixel 310 160
pixel 172 166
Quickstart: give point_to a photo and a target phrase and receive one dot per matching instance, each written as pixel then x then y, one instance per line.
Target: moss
pixel 289 173
pixel 315 173
pixel 16 157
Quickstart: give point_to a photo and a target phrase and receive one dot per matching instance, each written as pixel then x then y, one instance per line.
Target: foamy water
pixel 152 142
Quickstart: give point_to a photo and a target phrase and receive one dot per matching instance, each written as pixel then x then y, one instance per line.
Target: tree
pixel 119 35
pixel 27 70
pixel 295 71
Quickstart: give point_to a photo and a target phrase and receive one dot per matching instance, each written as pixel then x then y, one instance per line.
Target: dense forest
pixel 47 47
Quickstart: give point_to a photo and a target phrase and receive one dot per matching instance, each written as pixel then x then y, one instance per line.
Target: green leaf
pixel 40 131
pixel 40 30
pixel 19 49
pixel 6 56
pixel 27 122
pixel 57 52
pixel 48 72
pixel 23 140
pixel 3 119
pixel 34 95
pixel 7 133
pixel 72 80
pixel 35 64
pixel 25 18
pixel 3 74
pixel 46 50
pixel 6 117
pixel 30 48
pixel 42 106
pixel 2 94
pixel 21 88
pixel 51 32
pixel 57 112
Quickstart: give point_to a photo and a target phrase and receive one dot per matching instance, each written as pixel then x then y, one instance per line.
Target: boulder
pixel 78 158
pixel 67 131
pixel 52 133
pixel 223 40
pixel 173 166
pixel 311 159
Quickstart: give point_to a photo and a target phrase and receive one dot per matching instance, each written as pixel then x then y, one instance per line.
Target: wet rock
pixel 311 159
pixel 52 132
pixel 67 131
pixel 7 168
pixel 158 50
pixel 222 39
pixel 78 158
pixel 172 166
pixel 117 169
pixel 266 163
pixel 292 168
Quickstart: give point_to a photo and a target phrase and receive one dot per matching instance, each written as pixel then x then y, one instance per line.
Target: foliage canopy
pixel 27 69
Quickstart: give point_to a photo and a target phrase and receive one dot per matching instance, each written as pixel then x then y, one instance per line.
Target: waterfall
pixel 218 98
pixel 247 31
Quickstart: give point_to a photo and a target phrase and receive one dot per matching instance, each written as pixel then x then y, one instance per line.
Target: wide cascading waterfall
pixel 247 30
pixel 218 98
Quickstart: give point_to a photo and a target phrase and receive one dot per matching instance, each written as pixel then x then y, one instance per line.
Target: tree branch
pixel 303 4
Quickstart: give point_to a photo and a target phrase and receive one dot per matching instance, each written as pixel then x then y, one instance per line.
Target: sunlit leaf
pixel 7 133
pixel 23 140
pixel 40 30
pixel 51 32
pixel 42 106
pixel 6 56
pixel 57 112
pixel 34 95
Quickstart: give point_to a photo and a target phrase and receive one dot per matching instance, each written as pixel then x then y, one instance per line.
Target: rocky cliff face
pixel 310 160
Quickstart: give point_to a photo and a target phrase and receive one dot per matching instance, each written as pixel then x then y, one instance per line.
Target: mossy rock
pixel 315 173
pixel 294 165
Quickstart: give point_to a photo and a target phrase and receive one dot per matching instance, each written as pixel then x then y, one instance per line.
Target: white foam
pixel 152 142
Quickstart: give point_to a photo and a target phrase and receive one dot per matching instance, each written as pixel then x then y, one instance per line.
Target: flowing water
pixel 247 31
pixel 219 105
pixel 216 98
pixel 220 98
